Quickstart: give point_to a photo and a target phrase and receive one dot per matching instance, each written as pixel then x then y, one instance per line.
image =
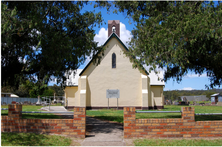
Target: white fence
pixel 8 100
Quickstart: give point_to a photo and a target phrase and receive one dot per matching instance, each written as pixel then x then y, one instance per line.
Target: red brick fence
pixel 73 127
pixel 184 127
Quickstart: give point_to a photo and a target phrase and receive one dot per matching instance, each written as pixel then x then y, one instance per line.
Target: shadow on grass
pixel 4 114
pixel 39 116
pixel 42 116
pixel 208 117
pixel 197 118
pixel 31 139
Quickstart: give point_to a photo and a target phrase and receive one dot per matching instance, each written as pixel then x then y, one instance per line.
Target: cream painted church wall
pixel 123 77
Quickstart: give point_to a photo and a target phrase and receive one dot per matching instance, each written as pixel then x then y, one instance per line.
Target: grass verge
pixel 178 142
pixel 31 139
pixel 32 115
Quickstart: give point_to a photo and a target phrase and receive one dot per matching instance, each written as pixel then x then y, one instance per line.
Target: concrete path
pixel 103 133
pixel 98 132
pixel 54 108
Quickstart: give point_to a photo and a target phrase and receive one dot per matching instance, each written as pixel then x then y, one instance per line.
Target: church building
pixel 114 83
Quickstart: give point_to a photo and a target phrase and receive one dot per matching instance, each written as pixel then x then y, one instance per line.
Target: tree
pixel 59 91
pixel 48 92
pixel 176 36
pixel 41 40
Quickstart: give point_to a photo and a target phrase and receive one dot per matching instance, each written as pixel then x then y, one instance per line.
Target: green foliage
pixel 59 91
pixel 33 90
pixel 7 89
pixel 177 36
pixel 48 92
pixel 41 40
pixel 31 139
pixel 178 142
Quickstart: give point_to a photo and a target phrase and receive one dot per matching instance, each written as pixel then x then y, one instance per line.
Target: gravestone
pixel 38 102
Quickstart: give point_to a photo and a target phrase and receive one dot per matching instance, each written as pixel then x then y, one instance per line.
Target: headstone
pixel 170 101
pixel 54 101
pixel 202 104
pixel 38 102
pixel 212 99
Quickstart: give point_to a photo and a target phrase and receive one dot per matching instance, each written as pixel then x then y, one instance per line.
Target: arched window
pixel 113 60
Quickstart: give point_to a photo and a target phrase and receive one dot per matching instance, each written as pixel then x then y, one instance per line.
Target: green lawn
pixel 31 139
pixel 32 115
pixel 178 142
pixel 105 114
pixel 117 115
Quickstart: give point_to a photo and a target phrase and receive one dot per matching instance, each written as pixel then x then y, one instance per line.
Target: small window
pixel 113 29
pixel 113 60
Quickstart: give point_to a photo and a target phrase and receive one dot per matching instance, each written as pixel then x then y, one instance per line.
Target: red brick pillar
pixel 129 121
pixel 14 111
pixel 80 121
pixel 188 114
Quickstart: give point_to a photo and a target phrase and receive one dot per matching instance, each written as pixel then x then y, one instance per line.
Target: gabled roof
pixel 12 95
pixel 216 94
pixel 111 36
pixel 152 75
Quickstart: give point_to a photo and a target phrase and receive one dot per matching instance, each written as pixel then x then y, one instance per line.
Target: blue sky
pixel 189 82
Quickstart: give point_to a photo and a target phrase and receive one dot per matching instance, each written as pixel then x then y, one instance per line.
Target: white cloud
pixel 155 78
pixel 195 75
pixel 125 35
pixel 72 79
pixel 187 88
pixel 102 36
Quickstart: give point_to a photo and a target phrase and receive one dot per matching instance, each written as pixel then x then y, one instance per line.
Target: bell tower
pixel 114 27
